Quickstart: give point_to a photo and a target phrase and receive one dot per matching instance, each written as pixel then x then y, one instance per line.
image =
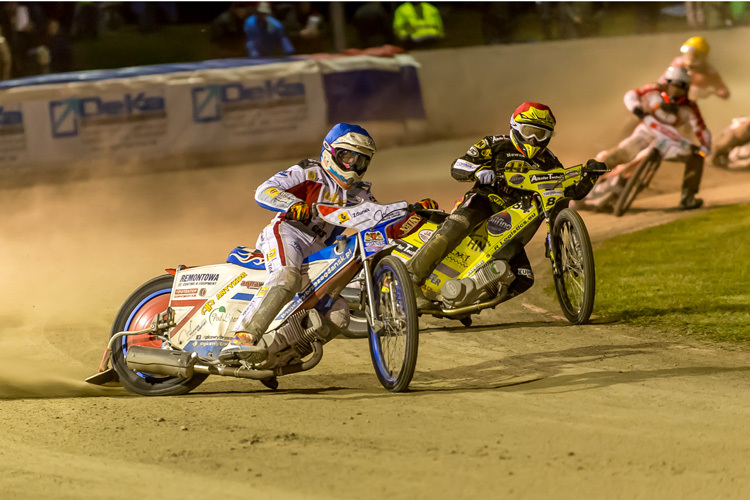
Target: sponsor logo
pixel 270 255
pixel 516 179
pixel 210 102
pixel 272 192
pixel 357 213
pixel 517 166
pixel 311 175
pixel 202 292
pixel 231 285
pixel 11 121
pixel 410 223
pixel 219 315
pixel 425 234
pixel 207 307
pixel 406 248
pixel 553 192
pixel 251 284
pixel 343 217
pixel 67 116
pixel 524 271
pixel 374 240
pixel 373 236
pixel 198 278
pixel 477 243
pixel 499 223
pixel 547 177
pixel 186 292
pixel 572 173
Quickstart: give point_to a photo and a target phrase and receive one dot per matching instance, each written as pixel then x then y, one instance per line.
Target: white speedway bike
pixel 167 336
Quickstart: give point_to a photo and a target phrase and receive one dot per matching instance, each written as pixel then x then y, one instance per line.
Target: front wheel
pixel 394 343
pixel 136 313
pixel 575 282
pixel 637 182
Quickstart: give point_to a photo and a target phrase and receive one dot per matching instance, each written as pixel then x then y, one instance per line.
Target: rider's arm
pixel 273 195
pixel 580 189
pixel 478 157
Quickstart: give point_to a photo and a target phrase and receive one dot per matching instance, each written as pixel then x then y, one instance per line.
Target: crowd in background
pixel 40 37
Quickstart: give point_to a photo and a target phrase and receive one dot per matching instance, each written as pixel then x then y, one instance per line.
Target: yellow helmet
pixel 695 44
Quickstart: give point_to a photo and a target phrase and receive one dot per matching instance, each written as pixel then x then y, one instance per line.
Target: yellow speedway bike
pixel 476 274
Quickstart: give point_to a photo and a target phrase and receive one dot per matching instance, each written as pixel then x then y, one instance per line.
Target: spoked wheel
pixel 137 312
pixel 637 182
pixel 575 283
pixel 393 346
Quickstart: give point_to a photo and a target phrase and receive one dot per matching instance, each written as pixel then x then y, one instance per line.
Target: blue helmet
pixel 346 153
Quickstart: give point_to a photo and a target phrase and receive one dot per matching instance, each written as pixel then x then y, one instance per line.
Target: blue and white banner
pixel 166 110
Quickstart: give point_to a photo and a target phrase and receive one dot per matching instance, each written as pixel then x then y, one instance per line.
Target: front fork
pixel 375 324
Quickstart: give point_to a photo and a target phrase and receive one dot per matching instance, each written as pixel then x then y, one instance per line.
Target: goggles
pixel 351 161
pixel 533 132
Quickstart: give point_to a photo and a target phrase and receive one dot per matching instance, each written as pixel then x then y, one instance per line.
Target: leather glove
pixel 638 111
pixel 595 167
pixel 299 211
pixel 427 204
pixel 485 176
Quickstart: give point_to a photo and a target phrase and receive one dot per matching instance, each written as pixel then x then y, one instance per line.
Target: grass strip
pixel 691 275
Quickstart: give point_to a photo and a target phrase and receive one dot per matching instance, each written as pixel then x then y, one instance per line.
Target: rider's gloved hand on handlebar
pixel 704 151
pixel 485 176
pixel 299 211
pixel 595 167
pixel 427 204
pixel 638 111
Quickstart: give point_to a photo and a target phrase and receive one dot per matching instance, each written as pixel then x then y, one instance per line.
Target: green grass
pixel 692 276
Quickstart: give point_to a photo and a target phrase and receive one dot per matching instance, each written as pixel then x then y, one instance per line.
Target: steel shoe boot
pixel 244 346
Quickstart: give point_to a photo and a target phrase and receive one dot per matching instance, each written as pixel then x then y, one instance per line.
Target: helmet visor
pixel 350 160
pixel 533 132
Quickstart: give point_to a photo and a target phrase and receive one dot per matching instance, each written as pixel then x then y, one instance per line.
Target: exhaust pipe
pixel 184 364
pixel 161 361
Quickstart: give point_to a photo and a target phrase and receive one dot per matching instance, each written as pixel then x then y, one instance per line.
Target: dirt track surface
pixel 521 405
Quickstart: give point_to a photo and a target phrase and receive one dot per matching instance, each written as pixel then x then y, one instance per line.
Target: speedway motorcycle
pixel 617 191
pixel 167 336
pixel 476 274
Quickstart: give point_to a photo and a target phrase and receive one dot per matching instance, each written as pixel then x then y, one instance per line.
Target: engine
pixel 482 285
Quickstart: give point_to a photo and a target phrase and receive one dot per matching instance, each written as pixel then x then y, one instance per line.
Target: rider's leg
pixel 473 210
pixel 691 183
pixel 284 248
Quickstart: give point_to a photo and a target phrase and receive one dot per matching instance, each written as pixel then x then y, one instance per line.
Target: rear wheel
pixel 394 346
pixel 575 282
pixel 136 313
pixel 637 182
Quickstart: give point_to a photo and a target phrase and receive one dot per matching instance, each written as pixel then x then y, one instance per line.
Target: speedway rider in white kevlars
pixel 296 233
pixel 668 103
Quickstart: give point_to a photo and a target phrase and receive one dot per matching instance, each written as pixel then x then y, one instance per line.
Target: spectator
pixel 265 34
pixel 372 24
pixel 60 50
pixel 418 25
pixel 5 58
pixel 228 32
pixel 579 19
pixel 305 28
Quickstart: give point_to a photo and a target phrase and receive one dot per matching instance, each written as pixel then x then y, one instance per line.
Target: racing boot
pixel 691 183
pixel 441 243
pixel 248 345
pixel 690 202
